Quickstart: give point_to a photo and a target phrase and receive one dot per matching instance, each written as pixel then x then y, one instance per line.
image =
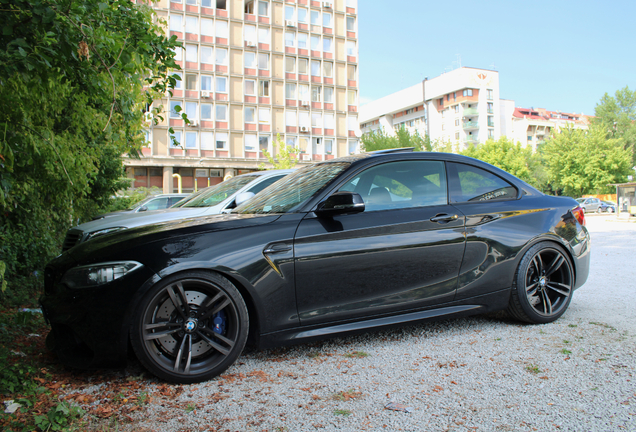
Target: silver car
pixel 209 201
pixel 153 202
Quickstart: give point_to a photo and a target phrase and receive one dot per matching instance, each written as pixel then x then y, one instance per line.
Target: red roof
pixel 528 113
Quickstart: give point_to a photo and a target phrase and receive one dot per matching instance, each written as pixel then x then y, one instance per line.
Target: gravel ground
pixel 485 373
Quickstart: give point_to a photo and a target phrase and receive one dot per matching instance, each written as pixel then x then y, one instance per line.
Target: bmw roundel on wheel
pixel 350 244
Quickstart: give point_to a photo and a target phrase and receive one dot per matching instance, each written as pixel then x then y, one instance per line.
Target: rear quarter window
pixel 471 184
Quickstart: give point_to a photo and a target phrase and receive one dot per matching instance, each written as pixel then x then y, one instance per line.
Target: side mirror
pixel 340 203
pixel 143 208
pixel 242 197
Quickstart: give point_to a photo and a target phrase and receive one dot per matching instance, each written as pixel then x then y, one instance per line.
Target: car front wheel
pixel 190 327
pixel 543 284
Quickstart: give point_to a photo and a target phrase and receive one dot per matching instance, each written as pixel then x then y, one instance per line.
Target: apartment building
pixel 461 106
pixel 252 70
pixel 531 127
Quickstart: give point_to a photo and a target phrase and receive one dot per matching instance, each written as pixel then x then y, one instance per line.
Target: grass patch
pixel 342 412
pixel 533 369
pixel 357 354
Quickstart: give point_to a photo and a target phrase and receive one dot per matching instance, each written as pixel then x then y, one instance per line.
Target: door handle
pixel 443 218
pixel 277 248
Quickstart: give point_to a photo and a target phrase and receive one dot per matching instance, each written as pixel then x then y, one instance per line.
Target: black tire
pixel 193 340
pixel 599 210
pixel 543 284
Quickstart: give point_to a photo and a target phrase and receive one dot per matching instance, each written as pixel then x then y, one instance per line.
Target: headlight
pixel 98 274
pixel 102 232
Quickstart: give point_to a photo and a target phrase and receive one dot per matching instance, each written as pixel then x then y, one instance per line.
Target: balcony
pixel 471 140
pixel 470 125
pixel 470 112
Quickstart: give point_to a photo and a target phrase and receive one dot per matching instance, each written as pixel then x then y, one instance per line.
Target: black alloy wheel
pixel 543 284
pixel 190 327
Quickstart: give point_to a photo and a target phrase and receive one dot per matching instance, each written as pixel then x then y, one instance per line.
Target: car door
pixel 403 252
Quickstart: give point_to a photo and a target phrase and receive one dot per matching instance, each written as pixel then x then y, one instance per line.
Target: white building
pixel 461 106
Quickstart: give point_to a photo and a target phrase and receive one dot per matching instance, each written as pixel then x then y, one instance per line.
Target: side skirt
pixel 472 306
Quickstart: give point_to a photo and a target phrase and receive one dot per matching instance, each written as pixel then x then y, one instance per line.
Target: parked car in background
pixel 356 243
pixel 607 206
pixel 153 202
pixel 209 201
pixel 589 204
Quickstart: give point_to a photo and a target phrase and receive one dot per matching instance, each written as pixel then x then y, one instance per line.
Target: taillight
pixel 579 214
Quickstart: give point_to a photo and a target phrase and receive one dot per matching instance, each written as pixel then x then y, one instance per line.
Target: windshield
pixel 291 192
pixel 215 194
pixel 580 200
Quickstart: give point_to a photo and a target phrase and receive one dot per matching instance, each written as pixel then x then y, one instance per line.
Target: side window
pixel 474 184
pixel 397 185
pixel 262 185
pixel 173 200
pixel 159 203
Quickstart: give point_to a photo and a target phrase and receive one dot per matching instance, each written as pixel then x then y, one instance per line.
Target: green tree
pixel 582 162
pixel 380 140
pixel 508 156
pixel 75 79
pixel 617 115
pixel 285 155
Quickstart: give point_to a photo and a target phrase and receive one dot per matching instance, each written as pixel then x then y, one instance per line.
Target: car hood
pixel 117 243
pixel 133 220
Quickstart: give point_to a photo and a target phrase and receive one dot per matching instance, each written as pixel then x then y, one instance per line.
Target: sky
pixel 558 55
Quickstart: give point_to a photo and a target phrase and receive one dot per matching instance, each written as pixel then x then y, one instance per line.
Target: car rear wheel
pixel 543 284
pixel 190 327
pixel 599 209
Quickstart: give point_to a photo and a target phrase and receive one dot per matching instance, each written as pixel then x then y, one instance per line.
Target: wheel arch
pixel 239 282
pixel 551 238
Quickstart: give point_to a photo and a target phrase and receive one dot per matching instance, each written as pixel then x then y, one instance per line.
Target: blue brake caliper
pixel 218 320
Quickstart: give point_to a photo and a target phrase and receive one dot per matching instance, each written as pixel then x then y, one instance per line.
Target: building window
pixel 302 40
pixel 221 56
pixel 250 115
pixel 207 143
pixel 315 43
pixel 316 93
pixel 302 15
pixel 176 23
pixel 250 60
pixel 290 64
pixel 221 113
pixel 221 29
pixel 250 87
pixel 303 119
pixel 456 108
pixel 251 141
pixel 328 146
pixel 221 140
pixel 457 135
pixel 327 69
pixel 491 133
pixel 491 121
pixel 263 142
pixel 178 77
pixel 529 138
pixel 290 118
pixel 326 19
pixel 290 91
pixel 192 53
pixel 315 18
pixel 249 33
pixel 175 139
pixel 206 83
pixel 352 146
pixel 175 109
pixel 489 94
pixel 316 120
pixel 206 111
pixel 191 82
pixel 352 97
pixel 468 92
pixel 330 121
pixel 290 13
pixel 263 61
pixel 178 54
pixel 351 48
pixel 263 88
pixel 290 39
pixel 326 44
pixel 490 108
pixel 352 123
pixel 192 25
pixel 263 35
pixel 191 140
pixel 329 94
pixel 303 92
pixel 207 55
pixel 303 65
pixel 191 110
pixel 352 72
pixel 221 84
pixel 315 68
pixel 351 23
pixel 263 8
pixel 291 141
pixel 456 122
